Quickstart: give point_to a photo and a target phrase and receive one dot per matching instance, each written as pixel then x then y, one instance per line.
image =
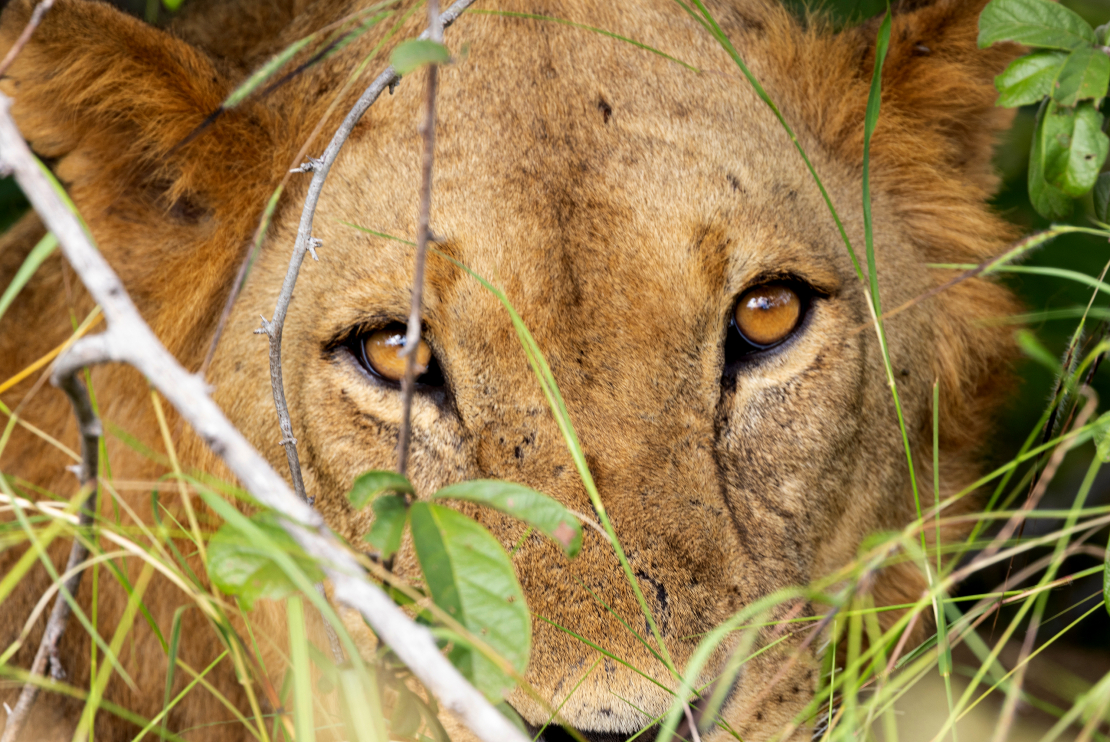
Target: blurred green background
pixel 1089 642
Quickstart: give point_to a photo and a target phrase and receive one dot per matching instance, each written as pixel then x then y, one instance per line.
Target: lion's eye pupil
pixel 766 315
pixel 382 350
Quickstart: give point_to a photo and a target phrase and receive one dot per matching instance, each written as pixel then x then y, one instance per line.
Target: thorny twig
pixel 305 242
pixel 65 375
pixel 25 36
pixel 129 340
pixel 412 335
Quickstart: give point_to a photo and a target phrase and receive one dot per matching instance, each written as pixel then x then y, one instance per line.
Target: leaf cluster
pixel 1068 74
pixel 467 573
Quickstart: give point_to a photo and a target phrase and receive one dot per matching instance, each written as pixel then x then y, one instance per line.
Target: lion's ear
pixel 110 104
pixel 938 89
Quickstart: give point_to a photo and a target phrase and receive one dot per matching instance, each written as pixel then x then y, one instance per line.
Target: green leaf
pixel 390 515
pixel 1101 436
pixel 1028 78
pixel 1038 23
pixel 1074 147
pixel 1085 74
pixel 471 578
pixel 239 565
pixel 1049 201
pixel 1102 198
pixel 172 5
pixel 369 485
pixel 406 716
pixel 534 508
pixel 414 53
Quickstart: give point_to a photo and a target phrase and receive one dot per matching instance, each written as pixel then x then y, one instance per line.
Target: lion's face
pixel 625 220
pixel 628 207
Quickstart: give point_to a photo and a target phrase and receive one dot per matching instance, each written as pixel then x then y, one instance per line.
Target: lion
pixel 655 228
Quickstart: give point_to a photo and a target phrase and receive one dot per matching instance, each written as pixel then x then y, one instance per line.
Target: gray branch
pixel 306 243
pixel 128 339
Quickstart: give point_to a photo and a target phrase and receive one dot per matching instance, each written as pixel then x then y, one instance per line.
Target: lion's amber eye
pixel 767 314
pixel 382 350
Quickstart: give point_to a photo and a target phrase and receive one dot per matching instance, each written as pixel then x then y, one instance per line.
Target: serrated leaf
pixel 1074 147
pixel 409 55
pixel 369 485
pixel 239 565
pixel 471 578
pixel 1102 198
pixel 1039 23
pixel 390 516
pixel 1049 201
pixel 1029 78
pixel 534 508
pixel 1085 74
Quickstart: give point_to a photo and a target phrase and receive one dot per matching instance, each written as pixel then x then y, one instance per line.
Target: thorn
pixel 310 165
pixel 265 329
pixel 393 83
pixel 288 439
pixel 313 243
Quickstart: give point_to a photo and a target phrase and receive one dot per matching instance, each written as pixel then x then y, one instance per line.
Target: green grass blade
pixel 39 253
pixel 302 670
pixel 584 27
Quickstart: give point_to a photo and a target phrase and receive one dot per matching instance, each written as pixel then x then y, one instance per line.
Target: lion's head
pixel 655 228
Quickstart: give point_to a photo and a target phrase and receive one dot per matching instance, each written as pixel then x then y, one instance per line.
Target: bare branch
pixel 24 37
pixel 305 242
pixel 128 339
pixel 46 658
pixel 412 334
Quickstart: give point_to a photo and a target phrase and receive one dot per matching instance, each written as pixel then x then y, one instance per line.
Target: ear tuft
pixel 109 103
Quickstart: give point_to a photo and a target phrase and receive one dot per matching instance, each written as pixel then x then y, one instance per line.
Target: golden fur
pixel 623 203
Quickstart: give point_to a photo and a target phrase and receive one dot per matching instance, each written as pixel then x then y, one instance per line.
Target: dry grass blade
pixel 46 658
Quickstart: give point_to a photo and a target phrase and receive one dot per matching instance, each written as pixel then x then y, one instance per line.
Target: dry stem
pixel 412 334
pixel 305 242
pixel 25 36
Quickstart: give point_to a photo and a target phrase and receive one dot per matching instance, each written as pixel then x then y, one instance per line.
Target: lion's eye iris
pixel 382 350
pixel 767 314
